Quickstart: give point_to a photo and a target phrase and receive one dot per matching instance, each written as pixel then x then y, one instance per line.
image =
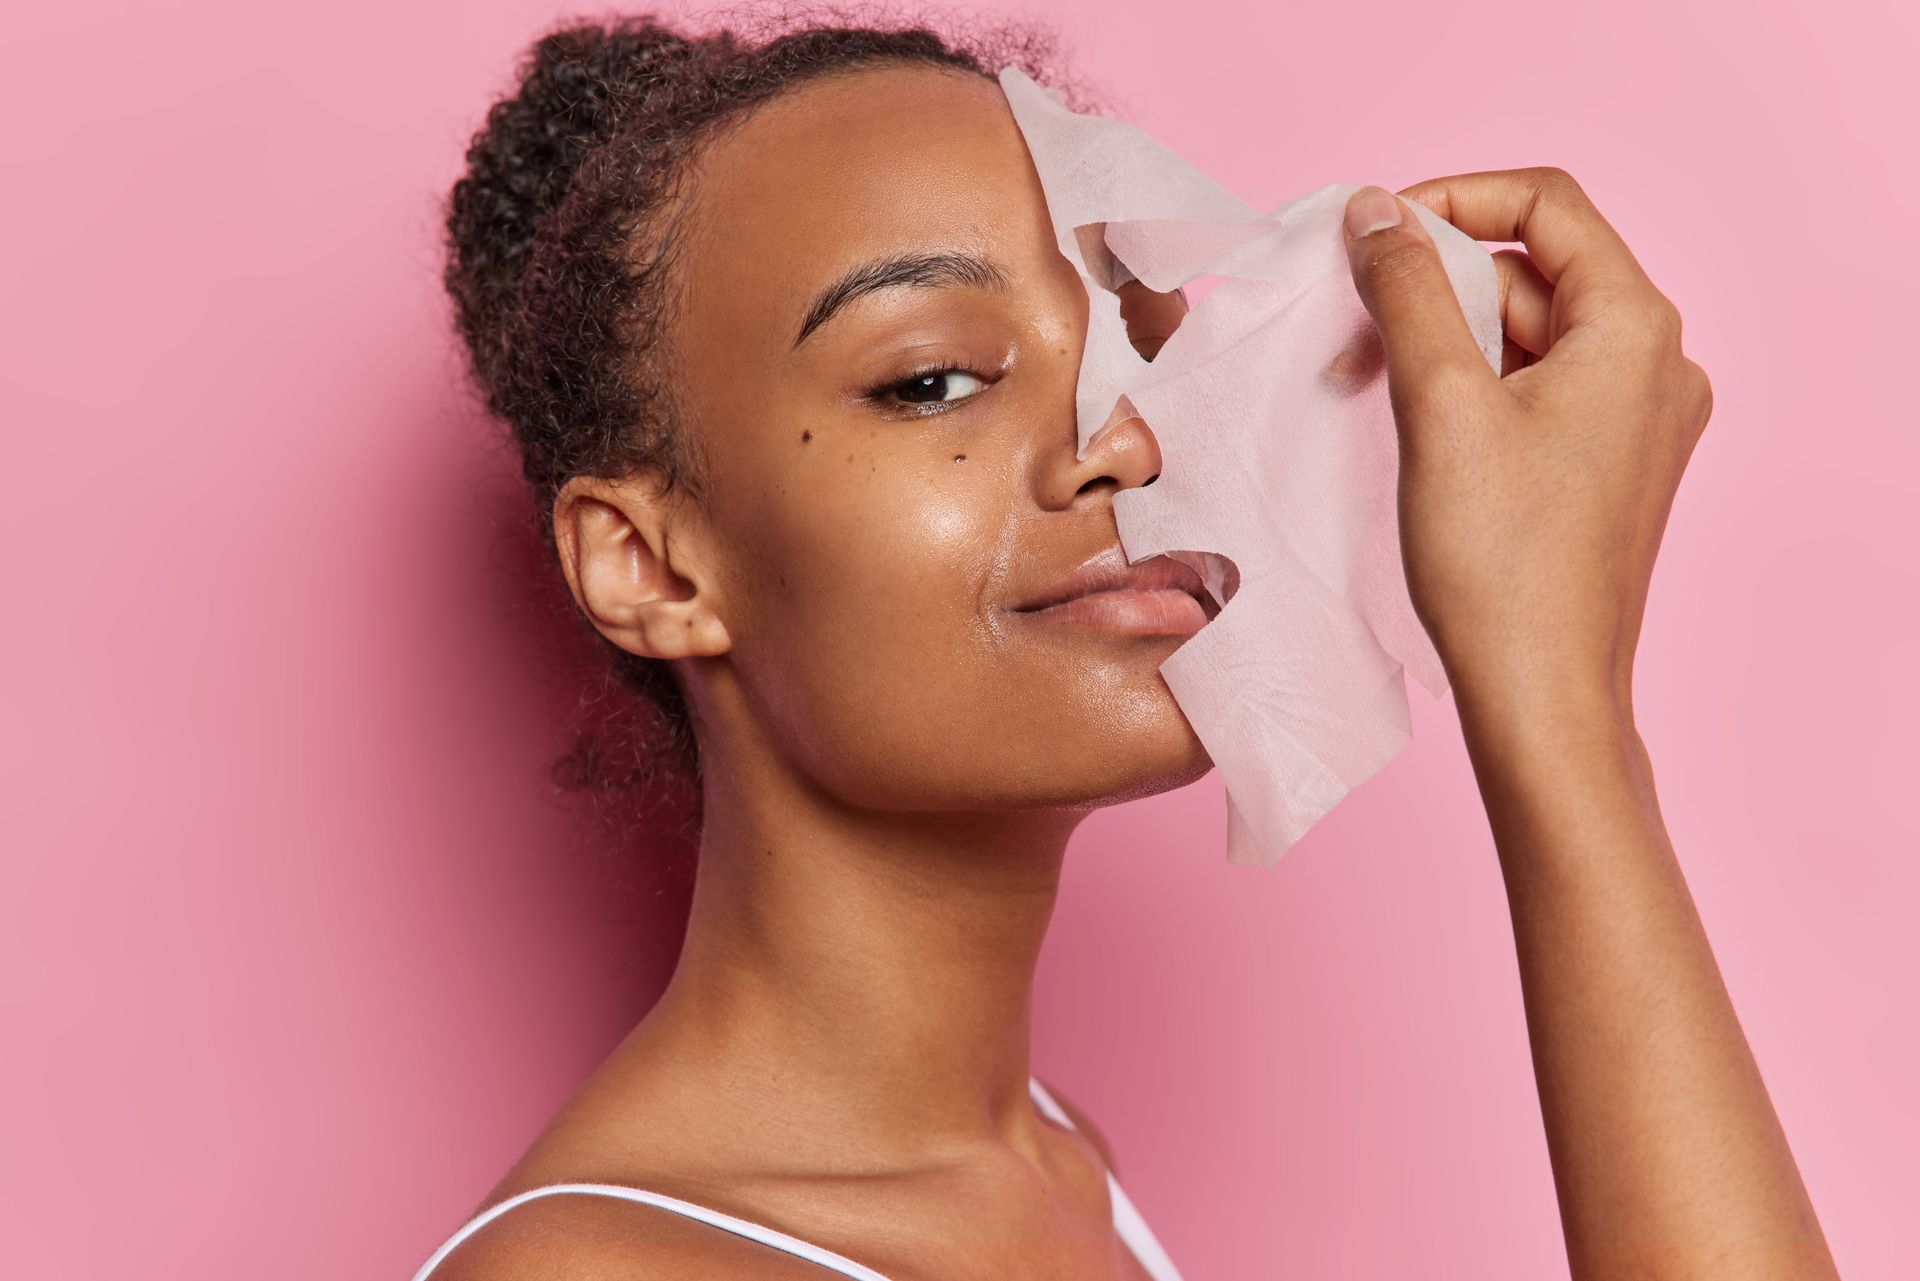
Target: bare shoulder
pixel 1084 1123
pixel 579 1237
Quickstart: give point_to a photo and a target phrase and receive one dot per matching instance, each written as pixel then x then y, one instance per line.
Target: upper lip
pixel 1108 571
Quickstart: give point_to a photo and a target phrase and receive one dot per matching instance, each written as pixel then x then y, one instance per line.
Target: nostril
pixel 1149 480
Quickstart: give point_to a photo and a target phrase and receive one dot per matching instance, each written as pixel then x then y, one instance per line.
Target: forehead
pixel 851 166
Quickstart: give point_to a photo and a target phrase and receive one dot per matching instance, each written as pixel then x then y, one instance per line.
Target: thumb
pixel 1397 269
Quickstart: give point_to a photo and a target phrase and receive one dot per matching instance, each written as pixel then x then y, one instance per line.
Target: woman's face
pixel 890 471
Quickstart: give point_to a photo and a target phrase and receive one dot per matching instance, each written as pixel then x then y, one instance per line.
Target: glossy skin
pixel 895 759
pixel 857 559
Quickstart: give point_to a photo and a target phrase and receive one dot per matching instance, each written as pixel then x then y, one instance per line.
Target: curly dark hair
pixel 559 262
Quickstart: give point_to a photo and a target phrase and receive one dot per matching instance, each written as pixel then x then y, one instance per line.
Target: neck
pixel 871 969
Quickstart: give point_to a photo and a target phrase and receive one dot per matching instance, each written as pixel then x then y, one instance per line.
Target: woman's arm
pixel 1667 1156
pixel 1531 506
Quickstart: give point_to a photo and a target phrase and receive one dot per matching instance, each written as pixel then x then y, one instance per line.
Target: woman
pixel 790 355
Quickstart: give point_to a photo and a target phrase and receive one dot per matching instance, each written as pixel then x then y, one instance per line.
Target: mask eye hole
pixel 1151 317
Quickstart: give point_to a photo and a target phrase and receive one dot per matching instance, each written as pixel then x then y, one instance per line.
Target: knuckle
pixel 1398 264
pixel 1700 389
pixel 1552 181
pixel 1662 321
pixel 1446 387
pixel 1649 327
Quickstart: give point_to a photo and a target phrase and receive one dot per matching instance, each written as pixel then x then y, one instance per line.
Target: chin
pixel 1164 759
pixel 1190 766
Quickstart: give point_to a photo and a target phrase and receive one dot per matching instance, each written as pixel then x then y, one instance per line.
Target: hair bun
pixel 575 86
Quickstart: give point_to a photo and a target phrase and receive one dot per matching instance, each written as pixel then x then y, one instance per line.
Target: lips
pixel 1107 572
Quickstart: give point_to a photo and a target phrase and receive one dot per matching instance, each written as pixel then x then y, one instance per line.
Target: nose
pixel 1123 454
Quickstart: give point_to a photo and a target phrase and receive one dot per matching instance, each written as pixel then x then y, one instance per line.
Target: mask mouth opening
pixel 1219 573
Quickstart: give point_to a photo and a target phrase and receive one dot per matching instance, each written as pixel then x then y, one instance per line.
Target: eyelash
pixel 877 394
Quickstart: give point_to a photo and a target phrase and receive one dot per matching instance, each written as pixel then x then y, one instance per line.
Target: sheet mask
pixel 1279 457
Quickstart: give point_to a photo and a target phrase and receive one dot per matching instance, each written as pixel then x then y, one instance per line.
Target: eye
pixel 934 388
pixel 940 385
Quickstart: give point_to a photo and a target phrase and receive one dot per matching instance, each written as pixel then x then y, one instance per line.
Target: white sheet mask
pixel 1273 457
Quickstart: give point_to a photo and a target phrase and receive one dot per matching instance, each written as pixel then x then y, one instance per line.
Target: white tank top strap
pixel 1139 1238
pixel 1047 1104
pixel 753 1231
pixel 1127 1222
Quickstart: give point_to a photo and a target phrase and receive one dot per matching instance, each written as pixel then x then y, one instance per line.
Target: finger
pixel 1548 212
pixel 1514 357
pixel 1526 301
pixel 1397 270
pixel 1150 317
pixel 1357 363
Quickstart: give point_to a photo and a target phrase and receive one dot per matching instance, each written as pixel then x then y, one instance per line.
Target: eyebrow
pixel 935 269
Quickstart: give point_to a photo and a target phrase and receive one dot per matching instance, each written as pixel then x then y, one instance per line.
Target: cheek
pixel 865 596
pixel 869 642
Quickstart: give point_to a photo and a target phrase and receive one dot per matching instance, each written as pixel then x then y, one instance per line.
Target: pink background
pixel 296 953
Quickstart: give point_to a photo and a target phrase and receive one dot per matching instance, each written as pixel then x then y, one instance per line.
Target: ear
pixel 624 548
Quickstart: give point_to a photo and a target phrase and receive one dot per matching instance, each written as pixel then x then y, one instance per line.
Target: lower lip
pixel 1160 612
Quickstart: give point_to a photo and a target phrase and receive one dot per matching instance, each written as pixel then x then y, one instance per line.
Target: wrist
pixel 1534 697
pixel 1562 759
pixel 1549 724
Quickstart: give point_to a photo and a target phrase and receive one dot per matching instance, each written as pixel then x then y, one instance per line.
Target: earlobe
pixel 622 551
pixel 680 629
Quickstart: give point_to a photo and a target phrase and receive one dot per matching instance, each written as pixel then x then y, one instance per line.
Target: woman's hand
pixel 1531 507
pixel 1531 504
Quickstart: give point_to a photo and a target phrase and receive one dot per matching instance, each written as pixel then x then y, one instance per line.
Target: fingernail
pixel 1371 209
